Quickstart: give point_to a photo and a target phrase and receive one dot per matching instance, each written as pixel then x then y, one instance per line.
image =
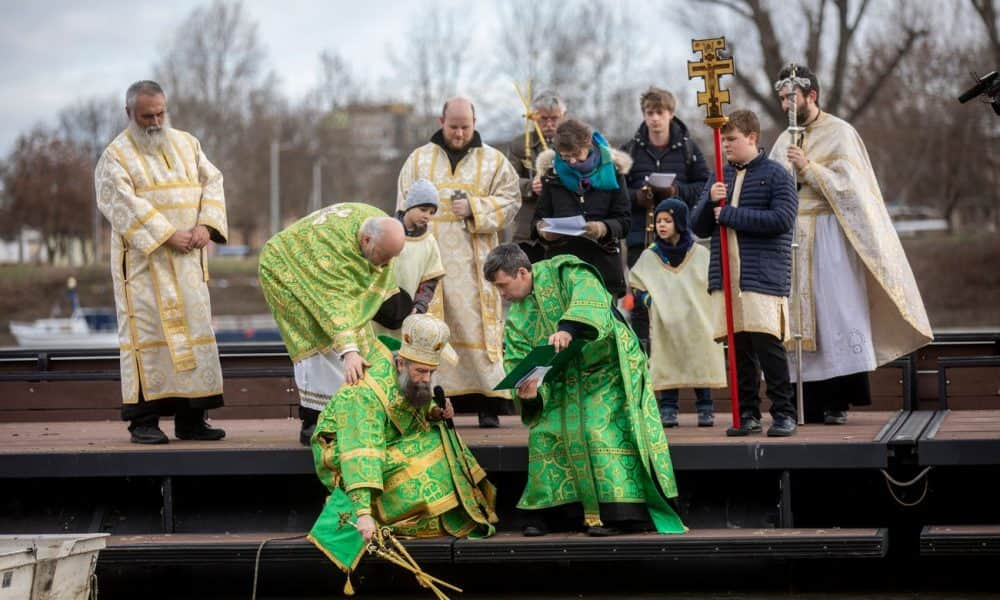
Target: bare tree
pixel 213 64
pixel 338 86
pixel 524 28
pixel 582 50
pixel 92 124
pixel 47 186
pixel 990 15
pixel 928 149
pixel 431 62
pixel 828 34
pixel 218 88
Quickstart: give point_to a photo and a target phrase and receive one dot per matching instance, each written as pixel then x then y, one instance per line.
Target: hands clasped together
pixel 187 240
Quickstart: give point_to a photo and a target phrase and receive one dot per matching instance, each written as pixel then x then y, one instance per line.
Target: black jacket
pixel 682 157
pixel 609 206
pixel 763 222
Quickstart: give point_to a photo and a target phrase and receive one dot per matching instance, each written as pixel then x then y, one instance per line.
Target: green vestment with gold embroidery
pixel 594 431
pixel 321 289
pixel 412 474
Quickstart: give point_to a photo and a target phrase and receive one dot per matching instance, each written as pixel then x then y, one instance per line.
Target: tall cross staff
pixel 530 121
pixel 711 67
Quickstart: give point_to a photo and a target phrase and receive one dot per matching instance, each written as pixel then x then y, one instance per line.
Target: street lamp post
pixel 316 201
pixel 275 188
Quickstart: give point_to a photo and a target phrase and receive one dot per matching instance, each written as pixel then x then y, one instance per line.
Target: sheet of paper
pixel 565 225
pixel 536 373
pixel 660 180
pixel 538 362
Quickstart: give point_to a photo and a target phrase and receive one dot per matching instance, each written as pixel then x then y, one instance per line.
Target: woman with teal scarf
pixel 583 175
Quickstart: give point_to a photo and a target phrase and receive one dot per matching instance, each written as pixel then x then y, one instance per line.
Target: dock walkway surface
pixel 915 474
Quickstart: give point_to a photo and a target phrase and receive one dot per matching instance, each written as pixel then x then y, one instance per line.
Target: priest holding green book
pixel 597 454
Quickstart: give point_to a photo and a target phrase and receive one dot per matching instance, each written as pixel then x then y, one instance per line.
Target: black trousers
pixel 308 415
pixel 756 352
pixel 183 408
pixel 836 393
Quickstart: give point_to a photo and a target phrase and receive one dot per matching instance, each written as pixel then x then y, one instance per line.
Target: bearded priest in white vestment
pixel 860 304
pixel 165 202
pixel 479 196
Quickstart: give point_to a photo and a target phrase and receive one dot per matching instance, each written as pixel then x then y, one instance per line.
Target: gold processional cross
pixel 711 67
pixel 715 64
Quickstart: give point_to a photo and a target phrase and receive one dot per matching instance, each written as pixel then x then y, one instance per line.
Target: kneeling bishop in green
pixel 384 452
pixel 595 441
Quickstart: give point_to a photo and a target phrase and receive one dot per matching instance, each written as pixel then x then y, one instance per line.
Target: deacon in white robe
pixel 165 201
pixel 479 197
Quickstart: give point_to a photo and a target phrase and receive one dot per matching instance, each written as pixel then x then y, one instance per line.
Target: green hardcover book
pixel 542 362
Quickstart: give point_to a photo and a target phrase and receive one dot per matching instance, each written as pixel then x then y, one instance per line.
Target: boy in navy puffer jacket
pixel 759 217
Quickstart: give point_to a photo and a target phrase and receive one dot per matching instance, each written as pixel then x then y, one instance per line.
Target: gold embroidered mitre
pixel 425 340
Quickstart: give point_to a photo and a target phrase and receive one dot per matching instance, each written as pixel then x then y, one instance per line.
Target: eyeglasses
pixel 576 155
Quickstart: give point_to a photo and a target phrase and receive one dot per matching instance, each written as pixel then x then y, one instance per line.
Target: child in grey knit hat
pixel 420 205
pixel 418 268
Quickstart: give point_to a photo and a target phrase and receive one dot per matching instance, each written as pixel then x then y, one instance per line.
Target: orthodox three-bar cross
pixel 711 67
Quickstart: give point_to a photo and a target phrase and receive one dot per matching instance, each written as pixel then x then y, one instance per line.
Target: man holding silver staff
pixel 855 303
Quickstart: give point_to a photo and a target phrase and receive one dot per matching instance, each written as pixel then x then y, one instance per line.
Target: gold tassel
pixel 348 588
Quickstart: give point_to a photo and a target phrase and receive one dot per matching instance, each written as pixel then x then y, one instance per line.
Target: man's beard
pixel 149 139
pixel 419 394
pixel 457 145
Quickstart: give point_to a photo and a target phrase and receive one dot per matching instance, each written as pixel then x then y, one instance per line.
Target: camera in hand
pixel 988 85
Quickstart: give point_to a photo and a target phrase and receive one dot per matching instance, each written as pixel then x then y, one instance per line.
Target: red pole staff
pixel 714 64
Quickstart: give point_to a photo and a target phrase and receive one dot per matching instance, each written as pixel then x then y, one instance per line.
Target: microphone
pixel 439 400
pixel 983 86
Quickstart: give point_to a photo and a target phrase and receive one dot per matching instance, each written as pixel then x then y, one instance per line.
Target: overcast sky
pixel 56 52
pixel 53 52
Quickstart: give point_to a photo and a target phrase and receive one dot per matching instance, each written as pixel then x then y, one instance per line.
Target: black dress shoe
pixel 306 433
pixel 534 530
pixel 602 531
pixel 200 432
pixel 147 434
pixel 834 417
pixel 488 420
pixel 668 417
pixel 748 424
pixel 783 427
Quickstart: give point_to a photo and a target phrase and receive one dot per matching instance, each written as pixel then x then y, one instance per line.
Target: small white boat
pixel 86 328
pixel 98 328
